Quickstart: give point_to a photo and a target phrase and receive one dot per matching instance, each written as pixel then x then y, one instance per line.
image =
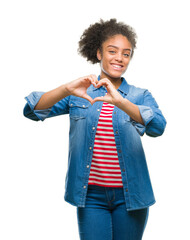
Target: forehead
pixel 118 41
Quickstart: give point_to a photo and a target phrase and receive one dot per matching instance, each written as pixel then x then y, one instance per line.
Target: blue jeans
pixel 105 216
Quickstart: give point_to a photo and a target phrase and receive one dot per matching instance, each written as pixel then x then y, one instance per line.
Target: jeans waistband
pixel 102 188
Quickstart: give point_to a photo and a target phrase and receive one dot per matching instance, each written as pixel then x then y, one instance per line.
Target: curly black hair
pixel 93 37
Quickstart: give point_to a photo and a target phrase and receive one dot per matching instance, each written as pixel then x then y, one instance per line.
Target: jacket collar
pixel 124 87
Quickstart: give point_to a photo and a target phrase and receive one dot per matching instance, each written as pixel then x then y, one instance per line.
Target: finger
pixel 109 87
pixel 94 77
pixel 103 82
pixel 90 79
pixel 94 80
pixel 102 98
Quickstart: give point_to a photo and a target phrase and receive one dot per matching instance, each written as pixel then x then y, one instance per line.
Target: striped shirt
pixel 105 170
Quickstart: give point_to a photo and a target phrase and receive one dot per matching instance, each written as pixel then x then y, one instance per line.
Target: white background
pixel 38 52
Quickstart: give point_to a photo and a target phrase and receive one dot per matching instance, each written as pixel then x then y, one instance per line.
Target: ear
pixel 99 55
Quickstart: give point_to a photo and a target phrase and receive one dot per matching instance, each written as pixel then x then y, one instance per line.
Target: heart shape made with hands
pixel 111 95
pixel 79 88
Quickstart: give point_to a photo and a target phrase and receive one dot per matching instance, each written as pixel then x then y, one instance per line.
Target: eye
pixel 126 55
pixel 112 52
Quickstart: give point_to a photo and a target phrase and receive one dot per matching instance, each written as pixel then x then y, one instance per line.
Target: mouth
pixel 118 67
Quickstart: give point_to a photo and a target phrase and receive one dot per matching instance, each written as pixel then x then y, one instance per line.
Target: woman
pixel 107 178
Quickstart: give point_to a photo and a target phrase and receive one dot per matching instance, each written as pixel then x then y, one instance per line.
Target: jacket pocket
pixel 78 109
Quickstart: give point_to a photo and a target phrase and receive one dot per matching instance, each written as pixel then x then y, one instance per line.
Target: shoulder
pixel 136 94
pixel 133 90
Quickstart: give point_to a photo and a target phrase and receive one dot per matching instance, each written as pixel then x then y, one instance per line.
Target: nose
pixel 119 57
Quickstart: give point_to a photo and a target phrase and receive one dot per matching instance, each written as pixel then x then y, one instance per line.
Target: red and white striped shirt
pixel 105 170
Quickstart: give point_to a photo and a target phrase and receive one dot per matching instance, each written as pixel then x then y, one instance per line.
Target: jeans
pixel 105 216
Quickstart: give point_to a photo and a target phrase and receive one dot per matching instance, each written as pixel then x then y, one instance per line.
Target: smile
pixel 117 67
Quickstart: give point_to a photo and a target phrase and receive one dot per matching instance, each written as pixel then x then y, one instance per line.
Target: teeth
pixel 116 66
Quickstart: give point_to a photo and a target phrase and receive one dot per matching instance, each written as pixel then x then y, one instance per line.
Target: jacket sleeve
pixel 61 107
pixel 154 121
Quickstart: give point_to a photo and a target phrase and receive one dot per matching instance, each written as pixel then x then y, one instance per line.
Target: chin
pixel 113 75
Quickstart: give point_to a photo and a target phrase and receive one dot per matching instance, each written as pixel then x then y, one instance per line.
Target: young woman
pixel 107 179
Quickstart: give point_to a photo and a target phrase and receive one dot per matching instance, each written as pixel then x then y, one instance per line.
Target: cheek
pixel 126 64
pixel 103 65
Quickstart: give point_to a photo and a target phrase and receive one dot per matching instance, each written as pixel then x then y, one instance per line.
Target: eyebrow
pixel 117 47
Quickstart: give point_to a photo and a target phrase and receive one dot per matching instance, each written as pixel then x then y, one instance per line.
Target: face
pixel 115 56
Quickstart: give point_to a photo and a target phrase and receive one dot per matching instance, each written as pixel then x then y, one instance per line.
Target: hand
pixel 112 95
pixel 79 87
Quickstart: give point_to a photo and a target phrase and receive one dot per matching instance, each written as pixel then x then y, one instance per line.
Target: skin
pixel 114 60
pixel 116 51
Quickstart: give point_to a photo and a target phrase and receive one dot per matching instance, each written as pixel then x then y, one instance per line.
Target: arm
pixel 42 105
pixel 146 118
pixel 50 98
pixel 116 99
pixel 130 108
pixel 153 122
pixel 153 118
pixel 61 107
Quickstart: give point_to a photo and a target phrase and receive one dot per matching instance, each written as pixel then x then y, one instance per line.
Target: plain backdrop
pixel 38 52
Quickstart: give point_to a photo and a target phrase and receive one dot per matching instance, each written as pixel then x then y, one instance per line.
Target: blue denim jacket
pixel 84 117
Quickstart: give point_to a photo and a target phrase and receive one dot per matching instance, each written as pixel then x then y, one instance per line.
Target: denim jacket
pixel 84 117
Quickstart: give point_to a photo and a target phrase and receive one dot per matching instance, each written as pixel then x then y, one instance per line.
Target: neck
pixel 115 81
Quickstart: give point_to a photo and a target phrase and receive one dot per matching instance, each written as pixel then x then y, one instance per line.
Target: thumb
pixel 98 99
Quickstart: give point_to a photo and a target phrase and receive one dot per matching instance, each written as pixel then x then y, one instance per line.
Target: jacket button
pixel 93 128
pixel 123 170
pixel 116 132
pixel 84 187
pixel 126 190
pixel 87 166
pixel 83 106
pixel 119 151
pixel 90 148
pixel 98 110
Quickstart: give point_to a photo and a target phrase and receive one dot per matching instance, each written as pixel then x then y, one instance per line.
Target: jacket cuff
pixel 147 115
pixel 32 100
